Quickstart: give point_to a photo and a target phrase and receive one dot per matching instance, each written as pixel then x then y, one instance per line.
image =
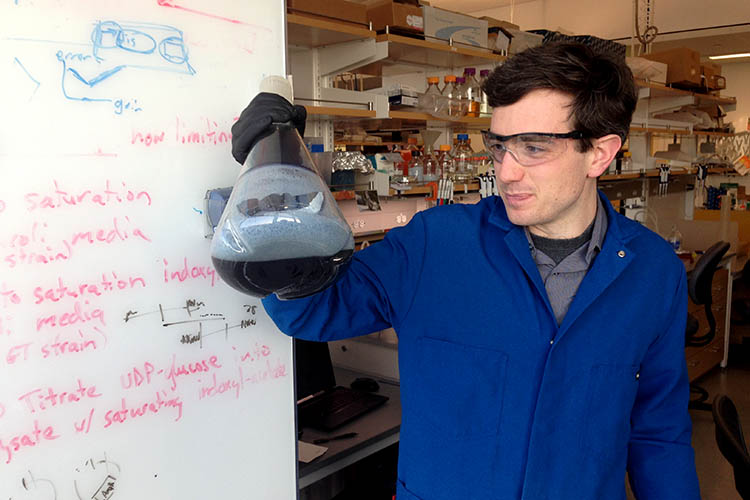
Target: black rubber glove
pixel 265 108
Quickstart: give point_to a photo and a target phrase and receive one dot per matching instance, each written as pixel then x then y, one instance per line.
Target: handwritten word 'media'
pixel 101 197
pixel 33 247
pixel 70 318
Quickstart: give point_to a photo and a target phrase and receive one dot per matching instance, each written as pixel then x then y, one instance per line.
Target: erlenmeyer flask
pixel 281 231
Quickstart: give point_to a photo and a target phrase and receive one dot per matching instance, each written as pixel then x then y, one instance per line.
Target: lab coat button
pixel 638 375
pixel 621 253
pixel 551 341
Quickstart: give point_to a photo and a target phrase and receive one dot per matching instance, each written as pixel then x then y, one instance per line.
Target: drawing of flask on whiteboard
pixel 281 231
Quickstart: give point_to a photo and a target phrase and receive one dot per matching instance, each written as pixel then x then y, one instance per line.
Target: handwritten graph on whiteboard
pixel 129 369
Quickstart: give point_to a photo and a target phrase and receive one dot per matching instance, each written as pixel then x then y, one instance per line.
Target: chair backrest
pixel 701 278
pixel 731 442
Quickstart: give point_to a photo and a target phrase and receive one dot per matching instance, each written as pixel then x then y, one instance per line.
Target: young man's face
pixel 557 198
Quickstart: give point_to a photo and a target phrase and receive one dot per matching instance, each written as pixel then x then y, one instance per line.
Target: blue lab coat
pixel 498 401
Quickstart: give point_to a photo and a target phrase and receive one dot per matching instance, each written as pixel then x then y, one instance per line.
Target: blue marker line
pixel 29 75
pixel 101 76
pixel 199 211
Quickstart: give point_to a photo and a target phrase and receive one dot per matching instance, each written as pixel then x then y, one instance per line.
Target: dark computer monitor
pixel 314 368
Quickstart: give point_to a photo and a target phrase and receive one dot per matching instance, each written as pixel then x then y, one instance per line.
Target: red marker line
pixel 168 3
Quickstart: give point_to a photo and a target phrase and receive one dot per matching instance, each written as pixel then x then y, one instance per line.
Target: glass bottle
pixel 430 164
pixel 416 168
pixel 462 92
pixel 473 92
pixel 446 163
pixel 451 95
pixel 484 106
pixel 431 100
pixel 627 161
pixel 462 156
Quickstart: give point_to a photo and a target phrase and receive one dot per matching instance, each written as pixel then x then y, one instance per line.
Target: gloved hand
pixel 264 109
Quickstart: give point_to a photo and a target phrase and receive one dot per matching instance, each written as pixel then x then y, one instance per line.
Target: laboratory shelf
pixel 339 112
pixel 660 130
pixel 660 90
pixel 304 31
pixel 407 51
pixel 710 133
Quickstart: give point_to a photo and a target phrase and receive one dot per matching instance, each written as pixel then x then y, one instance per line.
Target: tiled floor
pixel 715 474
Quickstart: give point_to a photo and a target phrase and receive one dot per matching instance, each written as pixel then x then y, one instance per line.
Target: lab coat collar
pixel 614 257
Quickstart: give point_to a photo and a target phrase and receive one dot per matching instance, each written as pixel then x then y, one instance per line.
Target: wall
pixel 614 19
pixel 738 76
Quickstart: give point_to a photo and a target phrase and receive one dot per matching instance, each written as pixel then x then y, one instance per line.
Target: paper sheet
pixel 309 452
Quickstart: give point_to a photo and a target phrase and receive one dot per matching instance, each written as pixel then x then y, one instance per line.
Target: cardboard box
pixel 645 69
pixel 522 40
pixel 331 9
pixel 498 39
pixel 683 65
pixel 446 25
pixel 395 15
pixel 498 23
pixel 712 76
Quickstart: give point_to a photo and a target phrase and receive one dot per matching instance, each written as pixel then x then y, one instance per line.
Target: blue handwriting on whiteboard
pixel 116 47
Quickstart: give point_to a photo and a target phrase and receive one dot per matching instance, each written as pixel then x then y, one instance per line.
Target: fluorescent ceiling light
pixel 730 56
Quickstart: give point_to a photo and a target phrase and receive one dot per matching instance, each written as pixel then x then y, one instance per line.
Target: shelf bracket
pixel 346 56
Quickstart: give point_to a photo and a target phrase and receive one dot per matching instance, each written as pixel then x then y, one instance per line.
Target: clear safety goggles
pixel 528 148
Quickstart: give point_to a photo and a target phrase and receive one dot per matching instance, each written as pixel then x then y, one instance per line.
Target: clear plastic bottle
pixel 446 163
pixel 473 92
pixel 462 156
pixel 484 106
pixel 430 164
pixel 450 93
pixel 431 100
pixel 675 238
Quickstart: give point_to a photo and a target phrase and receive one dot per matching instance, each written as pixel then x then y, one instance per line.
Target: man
pixel 540 333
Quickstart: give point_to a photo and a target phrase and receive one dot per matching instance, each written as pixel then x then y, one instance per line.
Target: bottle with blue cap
pixel 464 159
pixel 281 231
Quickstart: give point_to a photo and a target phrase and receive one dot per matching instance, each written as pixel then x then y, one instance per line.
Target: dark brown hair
pixel 601 86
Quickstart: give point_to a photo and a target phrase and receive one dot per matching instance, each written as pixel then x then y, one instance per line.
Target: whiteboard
pixel 129 369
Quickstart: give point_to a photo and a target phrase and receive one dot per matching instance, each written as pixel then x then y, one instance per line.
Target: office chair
pixel 731 442
pixel 699 290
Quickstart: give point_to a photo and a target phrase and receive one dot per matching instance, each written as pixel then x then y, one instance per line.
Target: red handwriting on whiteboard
pixel 273 370
pixel 38 435
pixel 185 272
pixel 8 296
pixel 80 314
pixel 33 248
pixel 208 132
pixel 18 352
pixel 102 197
pixel 2 206
pixel 138 376
pixel 231 385
pixel 2 410
pixel 109 282
pixel 177 370
pixel 260 351
pixel 40 399
pixel 127 411
pixel 60 347
pixel 147 138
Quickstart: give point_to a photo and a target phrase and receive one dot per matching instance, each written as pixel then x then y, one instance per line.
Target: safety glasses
pixel 528 148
